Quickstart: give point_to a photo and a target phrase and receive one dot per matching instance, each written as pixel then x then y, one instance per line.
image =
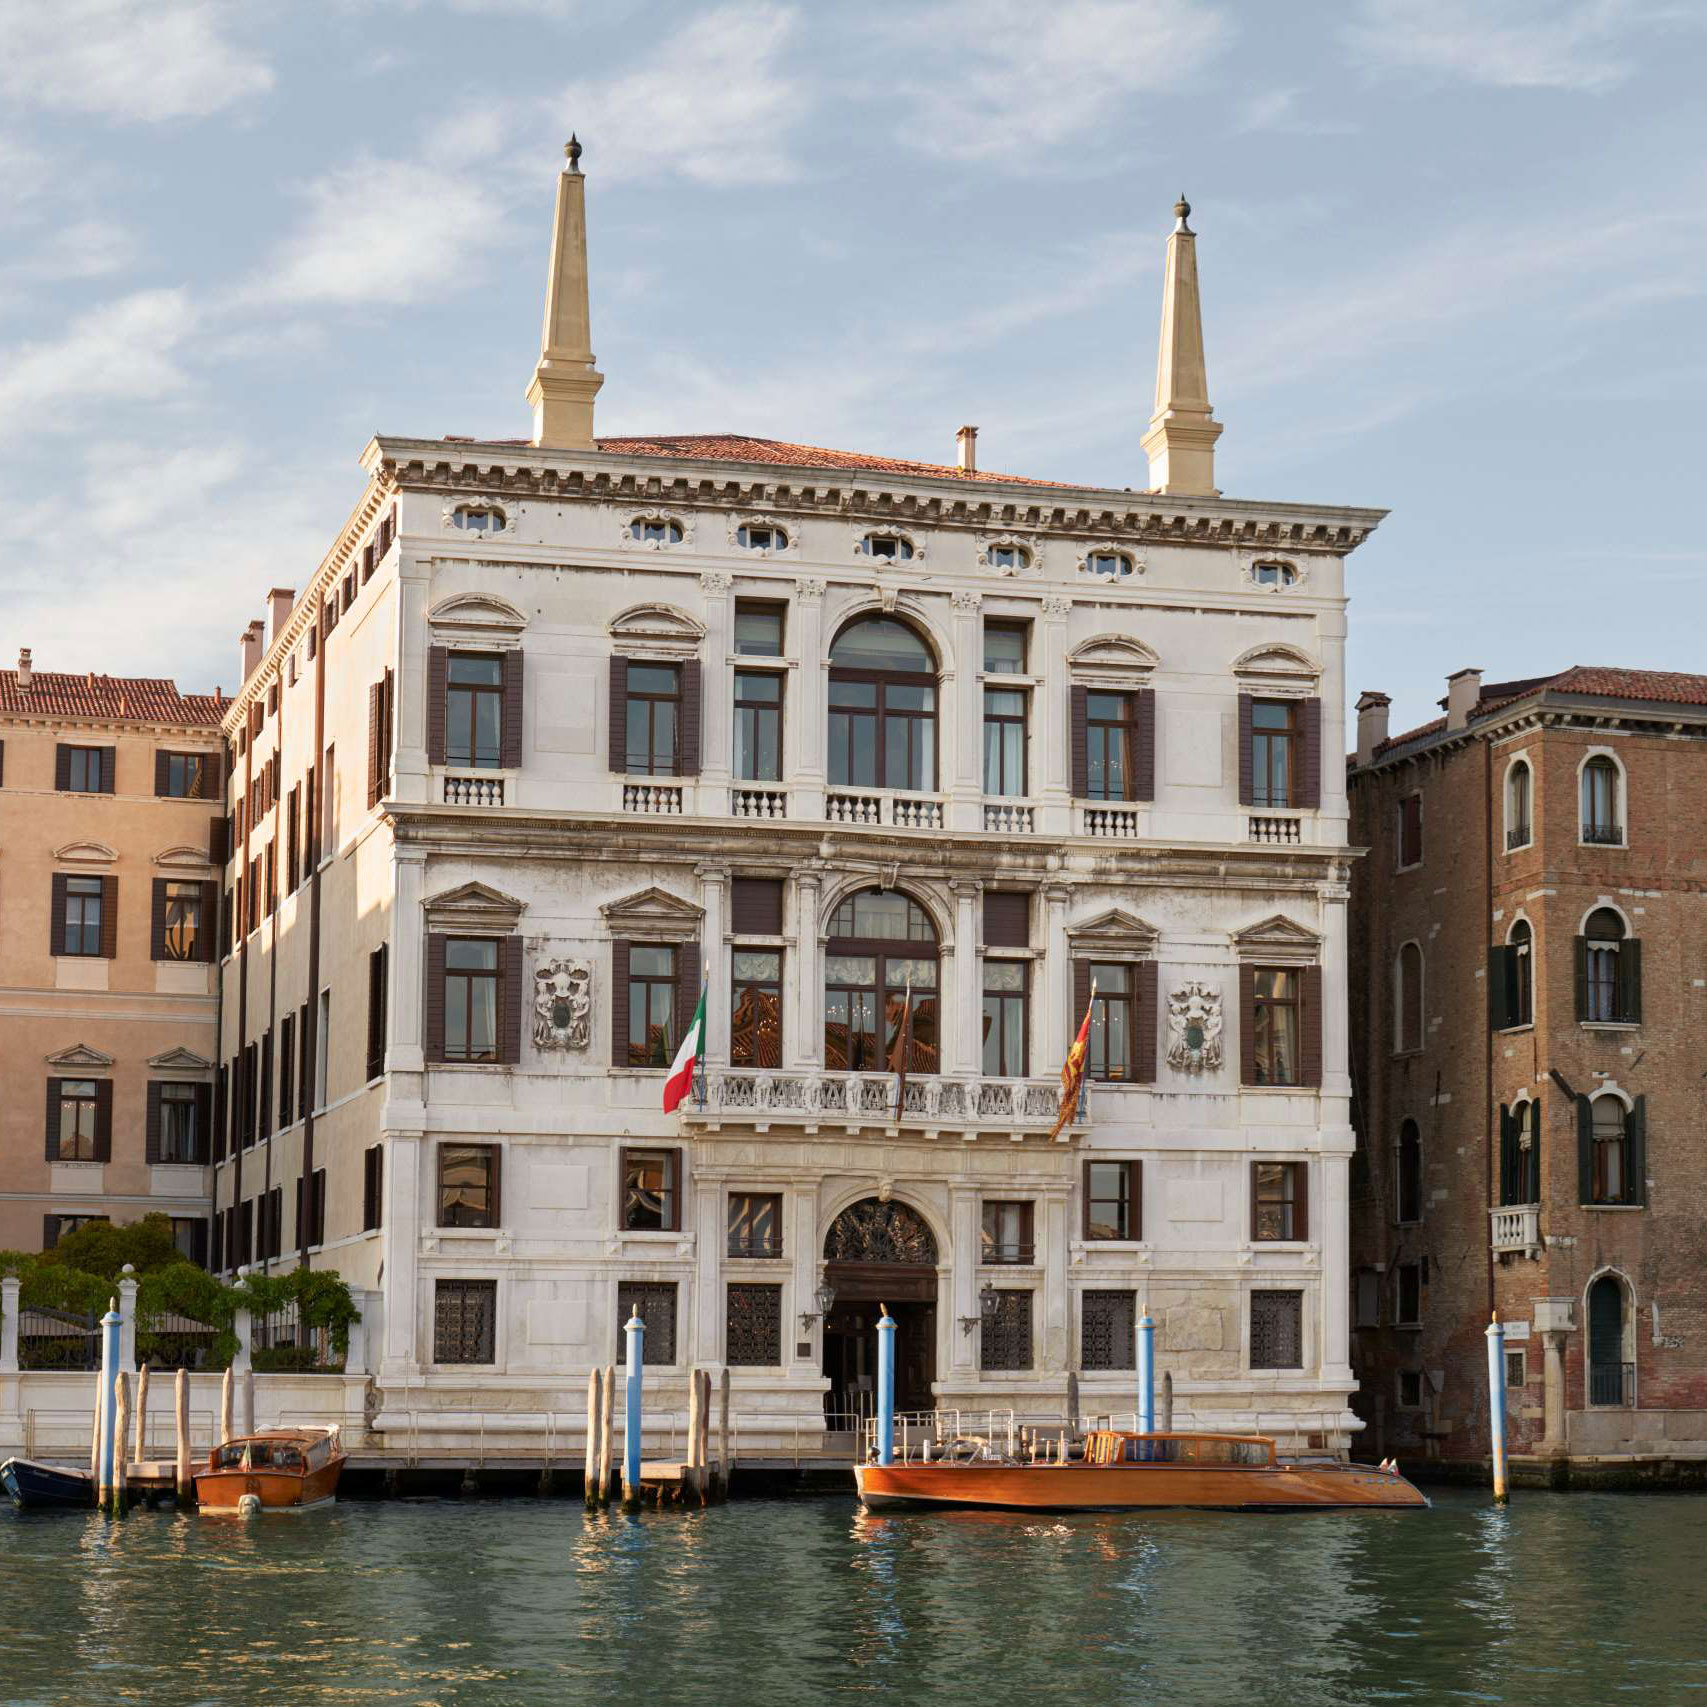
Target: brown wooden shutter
pixel 1247 1025
pixel 437 670
pixel 205 943
pixel 162 763
pixel 1585 1150
pixel 497 1184
pixel 1081 1000
pixel 1144 744
pixel 109 917
pixel 204 1121
pixel 755 906
pixel 619 1003
pixel 1007 919
pixel 688 760
pixel 676 1184
pixel 1310 1027
pixel 510 718
pixel 375 720
pixel 1310 792
pixel 376 997
pixel 1078 740
pixel 109 769
pixel 1629 1007
pixel 53 1120
pixel 688 979
pixel 151 1127
pixel 216 841
pixel 1144 1016
pixel 619 715
pixel 1501 974
pixel 510 998
pixel 1135 1176
pixel 157 922
pixel 1256 1208
pixel 1636 1125
pixel 1085 1199
pixel 56 918
pixel 103 1120
pixel 49 1232
pixel 1301 1200
pixel 62 767
pixel 435 996
pixel 1580 951
pixel 1247 785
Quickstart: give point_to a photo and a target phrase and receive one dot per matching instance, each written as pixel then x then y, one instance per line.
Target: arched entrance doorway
pixel 880 1252
pixel 1611 1375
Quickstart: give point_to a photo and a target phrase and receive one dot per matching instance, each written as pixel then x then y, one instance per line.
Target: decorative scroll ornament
pixel 874 1231
pixel 562 1004
pixel 1194 1028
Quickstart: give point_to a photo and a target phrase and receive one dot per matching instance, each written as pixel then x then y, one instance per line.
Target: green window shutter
pixel 1585 1147
pixel 1630 980
pixel 1638 1151
pixel 1508 1152
pixel 1580 945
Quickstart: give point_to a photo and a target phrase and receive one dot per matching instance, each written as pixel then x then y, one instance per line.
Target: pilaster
pixel 961 751
pixel 713 898
pixel 1051 786
pixel 716 744
pixel 807 718
pixel 805 1044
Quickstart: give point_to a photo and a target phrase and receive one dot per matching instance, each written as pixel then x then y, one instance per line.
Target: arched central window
pixel 1520 1153
pixel 1521 942
pixel 1611 1372
pixel 1603 980
pixel 882 707
pixel 1601 819
pixel 881 942
pixel 1610 1142
pixel 1517 782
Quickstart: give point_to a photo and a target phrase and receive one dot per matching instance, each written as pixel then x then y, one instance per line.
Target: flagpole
pixel 1084 1066
pixel 699 1065
pixel 906 1045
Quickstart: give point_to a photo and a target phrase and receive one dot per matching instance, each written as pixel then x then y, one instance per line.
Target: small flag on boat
pixel 688 1056
pixel 1073 1069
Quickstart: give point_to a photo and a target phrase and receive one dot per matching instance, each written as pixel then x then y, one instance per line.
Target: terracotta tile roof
pixel 741 447
pixel 138 699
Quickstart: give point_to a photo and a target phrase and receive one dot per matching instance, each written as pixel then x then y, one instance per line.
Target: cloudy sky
pixel 1453 255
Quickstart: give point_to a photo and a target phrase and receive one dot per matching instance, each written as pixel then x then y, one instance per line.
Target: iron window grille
pixel 1108 1330
pixel 1277 1330
pixel 465 1321
pixel 754 1326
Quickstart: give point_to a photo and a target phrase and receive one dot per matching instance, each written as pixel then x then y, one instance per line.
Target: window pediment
pixel 475 616
pixel 653 912
pixel 183 856
pixel 1277 938
pixel 1113 655
pixel 89 853
pixel 1276 662
pixel 656 626
pixel 1114 931
pixel 179 1060
pixel 473 907
pixel 80 1055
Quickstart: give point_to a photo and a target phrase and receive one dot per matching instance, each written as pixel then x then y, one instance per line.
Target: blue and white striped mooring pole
pixel 1496 1403
pixel 636 1331
pixel 112 1449
pixel 885 1386
pixel 1146 1374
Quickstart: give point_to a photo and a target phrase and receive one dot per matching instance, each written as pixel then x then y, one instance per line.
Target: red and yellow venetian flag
pixel 1073 1069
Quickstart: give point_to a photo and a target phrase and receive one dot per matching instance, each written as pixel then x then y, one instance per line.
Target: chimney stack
pixel 1372 711
pixel 23 669
pixel 967 440
pixel 280 602
pixel 251 645
pixel 1463 690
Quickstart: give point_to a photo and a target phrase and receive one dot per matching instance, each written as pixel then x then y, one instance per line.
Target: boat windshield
pixel 1179 1449
pixel 257 1455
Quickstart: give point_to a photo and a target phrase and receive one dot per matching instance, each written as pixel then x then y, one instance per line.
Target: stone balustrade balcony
pixel 1516 1229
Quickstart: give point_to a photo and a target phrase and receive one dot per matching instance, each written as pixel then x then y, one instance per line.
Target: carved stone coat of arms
pixel 1194 1028
pixel 562 1004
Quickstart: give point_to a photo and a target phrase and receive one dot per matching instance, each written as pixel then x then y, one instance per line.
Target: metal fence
pixel 279 1341
pixel 58 1339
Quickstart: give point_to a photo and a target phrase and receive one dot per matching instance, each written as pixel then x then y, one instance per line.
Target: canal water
pixel 1560 1599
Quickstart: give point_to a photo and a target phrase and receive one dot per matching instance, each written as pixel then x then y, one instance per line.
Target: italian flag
pixel 680 1081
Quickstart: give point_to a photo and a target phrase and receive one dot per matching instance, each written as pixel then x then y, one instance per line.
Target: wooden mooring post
pixel 607 1450
pixel 186 1482
pixel 724 1466
pixel 141 1451
pixel 595 1407
pixel 225 1400
pixel 1167 1401
pixel 121 1436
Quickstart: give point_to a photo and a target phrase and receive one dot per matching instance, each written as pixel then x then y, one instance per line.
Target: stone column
pixel 243 1326
pixel 806 1044
pixel 717 688
pixel 713 893
pixel 709 1227
pixel 127 1319
pixel 1056 981
pixel 1051 784
pixel 961 1051
pixel 404 1156
pixel 9 1290
pixel 963 766
pixel 1334 1234
pixel 963 1280
pixel 806 716
pixel 1554 1439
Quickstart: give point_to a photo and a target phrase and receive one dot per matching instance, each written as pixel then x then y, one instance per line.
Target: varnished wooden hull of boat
pixel 277 1490
pixel 1133 1487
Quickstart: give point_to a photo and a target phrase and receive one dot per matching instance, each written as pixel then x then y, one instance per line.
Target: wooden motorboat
pixel 284 1469
pixel 46 1486
pixel 1135 1472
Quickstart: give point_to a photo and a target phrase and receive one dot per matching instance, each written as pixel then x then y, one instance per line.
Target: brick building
pixel 110 790
pixel 1528 991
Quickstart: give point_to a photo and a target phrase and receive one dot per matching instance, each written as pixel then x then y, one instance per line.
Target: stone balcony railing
pixel 1117 822
pixel 900 809
pixel 473 790
pixel 1010 817
pixel 1517 1229
pixel 812 1097
pixel 1273 828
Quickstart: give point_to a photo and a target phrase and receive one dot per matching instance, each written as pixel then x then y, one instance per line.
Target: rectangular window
pixel 755 1008
pixel 377 964
pixel 1005 1336
pixel 323 1052
pixel 1109 1201
pixel 1108 746
pixel 1277 1028
pixel 1277 1201
pixel 182 937
pixel 1274 752
pixel 1007 918
pixel 474 710
pixel 1111 1036
pixel 1108 1330
pixel 755 1224
pixel 79 1121
pixel 329 802
pixel 1004 741
pixel 1410 830
pixel 758 725
pixel 189 1238
pixel 655 1304
pixel 1007 1233
pixel 373 1183
pixel 654 718
pixel 651 1191
pixel 1004 648
pixel 1516 1369
pixel 182 1138
pixel 287 1068
pixel 468 1185
pixel 1410 1295
pixel 185 776
pixel 471 999
pixel 86 770
pixel 1277 1330
pixel 1366 1302
pixel 465 1321
pixel 651 1006
pixel 84 906
pixel 1410 1389
pixel 753 1329
pixel 1005 1029
pixel 293 842
pixel 758 627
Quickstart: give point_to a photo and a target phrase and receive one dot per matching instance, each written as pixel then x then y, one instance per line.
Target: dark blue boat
pixel 39 1487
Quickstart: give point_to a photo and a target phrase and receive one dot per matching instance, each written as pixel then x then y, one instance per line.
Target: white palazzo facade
pixel 591 721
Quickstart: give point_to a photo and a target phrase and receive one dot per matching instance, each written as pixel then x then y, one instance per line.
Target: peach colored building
pixel 110 820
